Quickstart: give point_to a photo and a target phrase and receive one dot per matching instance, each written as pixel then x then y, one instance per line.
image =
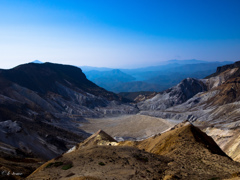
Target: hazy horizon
pixel 119 67
pixel 123 34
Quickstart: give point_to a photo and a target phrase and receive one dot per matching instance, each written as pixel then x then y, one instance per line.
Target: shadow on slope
pixel 181 153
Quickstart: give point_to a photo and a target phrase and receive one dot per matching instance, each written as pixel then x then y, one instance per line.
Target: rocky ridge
pixel 41 103
pixel 215 111
pixel 178 94
pixel 181 153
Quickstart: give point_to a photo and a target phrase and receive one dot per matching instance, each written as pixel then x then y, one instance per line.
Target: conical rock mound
pixel 195 155
pixel 99 138
pixel 182 138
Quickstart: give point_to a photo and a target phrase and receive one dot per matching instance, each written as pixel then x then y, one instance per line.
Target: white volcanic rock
pixel 10 127
pixel 216 81
pixel 216 111
pixel 174 96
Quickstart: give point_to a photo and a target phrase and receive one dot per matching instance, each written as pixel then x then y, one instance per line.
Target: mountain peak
pixel 178 94
pixel 99 138
pixel 116 71
pixel 181 153
pixel 188 61
pixel 46 77
pixel 37 62
pixel 180 138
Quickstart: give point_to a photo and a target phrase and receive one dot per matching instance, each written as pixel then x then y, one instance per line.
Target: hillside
pixel 48 108
pixel 213 105
pixel 43 78
pixel 181 153
pixel 138 96
pixel 178 94
pixel 216 110
pixel 117 81
pixel 194 153
pixel 41 106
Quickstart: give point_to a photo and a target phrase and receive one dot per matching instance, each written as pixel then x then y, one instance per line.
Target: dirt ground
pixel 184 152
pixel 128 127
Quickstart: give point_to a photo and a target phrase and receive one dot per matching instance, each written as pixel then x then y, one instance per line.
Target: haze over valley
pixel 154 78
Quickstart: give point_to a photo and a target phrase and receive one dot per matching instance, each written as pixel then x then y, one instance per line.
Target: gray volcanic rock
pixel 216 111
pixel 41 103
pixel 10 126
pixel 210 101
pixel 174 96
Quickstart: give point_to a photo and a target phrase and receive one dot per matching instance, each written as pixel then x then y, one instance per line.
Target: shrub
pixel 49 165
pixel 67 166
pixel 57 164
pixel 101 164
pixel 140 157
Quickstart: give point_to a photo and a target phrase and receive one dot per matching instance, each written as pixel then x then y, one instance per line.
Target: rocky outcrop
pixel 178 94
pixel 221 69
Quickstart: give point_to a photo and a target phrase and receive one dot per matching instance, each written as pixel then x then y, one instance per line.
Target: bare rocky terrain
pixel 45 111
pixel 41 103
pixel 178 94
pixel 184 152
pixel 215 110
pixel 128 127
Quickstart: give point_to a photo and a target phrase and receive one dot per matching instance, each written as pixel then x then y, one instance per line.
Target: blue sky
pixel 111 33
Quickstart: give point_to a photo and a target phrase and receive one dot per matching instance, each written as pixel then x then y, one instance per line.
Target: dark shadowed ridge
pixel 42 78
pixel 221 69
pixel 46 102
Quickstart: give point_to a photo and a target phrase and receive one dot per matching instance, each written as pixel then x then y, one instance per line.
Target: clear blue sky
pixel 118 33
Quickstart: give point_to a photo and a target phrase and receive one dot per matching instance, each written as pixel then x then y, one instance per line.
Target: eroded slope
pixel 181 153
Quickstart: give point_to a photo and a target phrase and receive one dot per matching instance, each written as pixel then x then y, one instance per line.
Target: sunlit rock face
pixel 178 94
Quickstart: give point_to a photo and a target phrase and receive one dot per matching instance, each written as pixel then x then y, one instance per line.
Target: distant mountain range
pixel 154 78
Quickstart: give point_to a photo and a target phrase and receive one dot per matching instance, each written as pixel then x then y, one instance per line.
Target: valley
pixel 128 127
pixel 153 78
pixel 119 90
pixel 45 111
